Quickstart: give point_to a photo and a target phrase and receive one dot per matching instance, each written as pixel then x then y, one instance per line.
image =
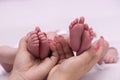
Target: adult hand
pixel 75 67
pixel 27 67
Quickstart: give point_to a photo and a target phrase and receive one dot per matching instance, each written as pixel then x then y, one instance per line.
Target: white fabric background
pixel 17 17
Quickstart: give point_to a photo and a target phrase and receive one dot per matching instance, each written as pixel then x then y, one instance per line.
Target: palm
pixel 75 66
pixel 26 64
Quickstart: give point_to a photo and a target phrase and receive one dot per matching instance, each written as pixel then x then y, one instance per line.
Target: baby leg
pixel 7 56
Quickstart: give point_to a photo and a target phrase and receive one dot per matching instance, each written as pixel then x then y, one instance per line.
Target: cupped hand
pixel 72 67
pixel 27 67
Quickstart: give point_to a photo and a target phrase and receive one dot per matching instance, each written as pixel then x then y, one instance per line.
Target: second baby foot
pixel 86 39
pixel 43 45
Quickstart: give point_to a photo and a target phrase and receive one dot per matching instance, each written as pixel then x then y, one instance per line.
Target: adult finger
pixel 90 57
pixel 67 50
pixel 22 49
pixel 23 44
pixel 54 54
pixel 59 48
pixel 99 52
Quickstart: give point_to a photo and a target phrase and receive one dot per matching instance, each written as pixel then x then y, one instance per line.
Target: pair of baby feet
pixel 38 43
pixel 81 35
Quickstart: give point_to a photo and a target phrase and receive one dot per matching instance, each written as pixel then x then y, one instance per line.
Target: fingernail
pixel 96 47
pixel 102 37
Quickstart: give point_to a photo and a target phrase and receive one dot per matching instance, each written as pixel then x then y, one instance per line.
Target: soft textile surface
pixel 17 17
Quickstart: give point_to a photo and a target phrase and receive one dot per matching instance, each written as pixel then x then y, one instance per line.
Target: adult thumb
pixel 23 44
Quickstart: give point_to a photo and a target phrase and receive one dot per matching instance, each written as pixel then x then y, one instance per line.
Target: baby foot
pixel 76 29
pixel 44 45
pixel 33 43
pixel 111 55
pixel 86 39
pixel 38 43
